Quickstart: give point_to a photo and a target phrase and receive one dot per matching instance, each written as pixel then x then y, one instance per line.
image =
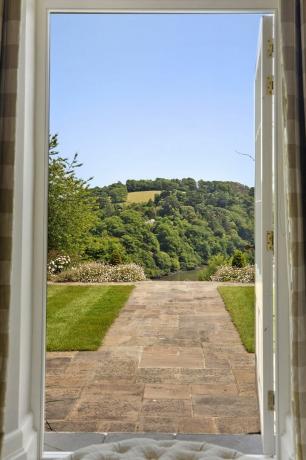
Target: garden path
pixel 171 362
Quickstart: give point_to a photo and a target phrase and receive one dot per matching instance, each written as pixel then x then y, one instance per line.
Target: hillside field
pixel 142 197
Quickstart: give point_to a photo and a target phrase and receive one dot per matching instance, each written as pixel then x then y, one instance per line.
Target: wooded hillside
pixel 180 228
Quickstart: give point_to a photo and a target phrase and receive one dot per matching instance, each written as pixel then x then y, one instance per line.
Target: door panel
pixel 263 223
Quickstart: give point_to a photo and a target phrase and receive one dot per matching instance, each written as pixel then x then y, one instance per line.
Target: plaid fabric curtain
pixel 293 32
pixel 9 44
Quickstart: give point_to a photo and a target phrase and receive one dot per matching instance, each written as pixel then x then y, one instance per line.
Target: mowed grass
pixel 240 303
pixel 142 197
pixel 78 317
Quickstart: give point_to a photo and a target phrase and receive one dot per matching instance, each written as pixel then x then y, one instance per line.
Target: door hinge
pixel 270 240
pixel 270 85
pixel 271 400
pixel 270 47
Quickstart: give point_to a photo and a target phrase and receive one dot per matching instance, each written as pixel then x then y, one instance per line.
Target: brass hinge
pixel 270 85
pixel 270 47
pixel 270 240
pixel 271 400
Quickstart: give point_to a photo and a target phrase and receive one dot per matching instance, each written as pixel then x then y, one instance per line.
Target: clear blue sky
pixel 145 96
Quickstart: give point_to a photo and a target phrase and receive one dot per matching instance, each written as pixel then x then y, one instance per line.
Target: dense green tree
pixel 72 209
pixel 106 249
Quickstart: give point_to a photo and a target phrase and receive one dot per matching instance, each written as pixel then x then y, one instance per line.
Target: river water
pixel 183 275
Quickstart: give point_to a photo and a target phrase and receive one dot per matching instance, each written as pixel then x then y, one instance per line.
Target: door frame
pixel 41 126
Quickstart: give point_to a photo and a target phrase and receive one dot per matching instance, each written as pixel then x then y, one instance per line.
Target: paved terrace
pixel 171 362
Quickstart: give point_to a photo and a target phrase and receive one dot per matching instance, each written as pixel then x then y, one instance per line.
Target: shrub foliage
pixel 234 274
pixel 95 272
pixel 239 259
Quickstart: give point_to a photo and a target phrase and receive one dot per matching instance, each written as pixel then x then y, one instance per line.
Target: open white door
pixel 264 231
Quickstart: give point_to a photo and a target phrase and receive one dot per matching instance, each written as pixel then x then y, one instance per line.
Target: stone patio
pixel 172 362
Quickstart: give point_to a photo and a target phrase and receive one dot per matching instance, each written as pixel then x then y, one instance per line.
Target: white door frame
pixel 263 223
pixel 39 91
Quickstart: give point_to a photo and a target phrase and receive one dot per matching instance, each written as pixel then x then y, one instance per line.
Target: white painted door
pixel 264 223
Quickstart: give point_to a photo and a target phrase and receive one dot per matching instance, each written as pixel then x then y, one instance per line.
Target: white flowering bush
pixel 234 274
pixel 96 272
pixel 58 264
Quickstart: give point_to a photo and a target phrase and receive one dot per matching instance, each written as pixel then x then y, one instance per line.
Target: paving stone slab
pixel 164 391
pixel 92 407
pixel 167 408
pixel 157 424
pixel 225 406
pixel 197 425
pixel 123 425
pixel 237 425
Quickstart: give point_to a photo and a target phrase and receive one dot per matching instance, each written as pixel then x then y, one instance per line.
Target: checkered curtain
pixel 9 44
pixel 293 34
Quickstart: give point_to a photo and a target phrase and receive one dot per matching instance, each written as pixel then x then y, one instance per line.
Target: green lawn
pixel 240 303
pixel 78 317
pixel 142 197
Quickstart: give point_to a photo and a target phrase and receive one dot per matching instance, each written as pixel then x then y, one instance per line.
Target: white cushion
pixel 149 449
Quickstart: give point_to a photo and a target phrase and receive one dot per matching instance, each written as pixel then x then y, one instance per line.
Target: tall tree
pixel 72 209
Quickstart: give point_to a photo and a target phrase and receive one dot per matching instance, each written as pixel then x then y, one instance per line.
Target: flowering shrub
pixel 58 264
pixel 239 275
pixel 95 272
